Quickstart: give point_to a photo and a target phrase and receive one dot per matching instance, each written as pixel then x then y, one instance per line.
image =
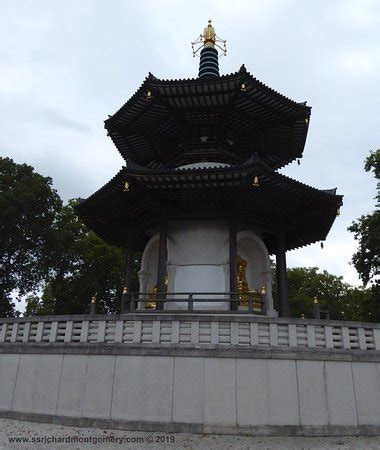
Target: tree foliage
pixel 372 164
pixel 367 232
pixel 29 206
pixel 343 301
pixel 367 259
pixel 83 265
pixel 48 254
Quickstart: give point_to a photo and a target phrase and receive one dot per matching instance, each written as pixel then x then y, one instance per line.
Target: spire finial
pixel 209 38
pixel 209 35
pixel 205 47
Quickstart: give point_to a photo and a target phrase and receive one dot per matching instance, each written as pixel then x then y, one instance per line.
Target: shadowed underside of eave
pixel 186 121
pixel 278 204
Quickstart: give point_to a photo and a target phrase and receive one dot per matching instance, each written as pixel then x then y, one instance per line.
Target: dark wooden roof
pixel 305 214
pixel 192 120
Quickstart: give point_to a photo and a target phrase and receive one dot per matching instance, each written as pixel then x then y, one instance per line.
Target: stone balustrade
pixel 190 330
pixel 199 373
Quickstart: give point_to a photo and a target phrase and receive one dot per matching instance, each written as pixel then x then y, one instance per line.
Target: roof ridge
pixel 299 104
pixel 323 191
pixel 150 79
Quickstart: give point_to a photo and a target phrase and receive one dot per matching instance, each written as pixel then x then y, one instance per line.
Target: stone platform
pixel 197 373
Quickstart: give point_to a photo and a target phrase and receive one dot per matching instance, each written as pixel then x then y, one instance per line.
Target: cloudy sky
pixel 66 65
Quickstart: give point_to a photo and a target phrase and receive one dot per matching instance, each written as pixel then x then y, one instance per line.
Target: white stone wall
pixel 198 261
pixel 217 392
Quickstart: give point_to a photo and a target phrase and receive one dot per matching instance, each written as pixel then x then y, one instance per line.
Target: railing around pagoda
pixel 187 329
pixel 251 302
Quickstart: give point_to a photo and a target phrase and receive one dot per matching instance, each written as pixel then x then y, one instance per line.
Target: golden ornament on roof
pixel 209 38
pixel 209 35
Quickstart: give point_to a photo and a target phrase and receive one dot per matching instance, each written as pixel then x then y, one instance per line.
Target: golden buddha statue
pixel 153 294
pixel 242 284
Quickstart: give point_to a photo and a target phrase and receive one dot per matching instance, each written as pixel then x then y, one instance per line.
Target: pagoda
pixel 199 348
pixel 201 196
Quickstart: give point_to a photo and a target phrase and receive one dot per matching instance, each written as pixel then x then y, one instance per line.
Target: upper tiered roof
pixel 169 123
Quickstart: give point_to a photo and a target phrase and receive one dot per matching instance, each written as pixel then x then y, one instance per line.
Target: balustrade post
pixel 125 301
pixel 133 299
pixel 190 303
pixel 250 302
pixel 93 305
pixel 264 299
pixel 316 311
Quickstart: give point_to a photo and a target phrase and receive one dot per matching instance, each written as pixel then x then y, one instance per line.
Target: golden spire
pixel 209 35
pixel 209 38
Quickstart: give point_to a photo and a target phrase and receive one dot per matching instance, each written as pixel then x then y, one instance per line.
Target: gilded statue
pixel 242 285
pixel 153 294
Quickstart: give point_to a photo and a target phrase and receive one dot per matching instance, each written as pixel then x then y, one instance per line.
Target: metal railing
pixel 252 302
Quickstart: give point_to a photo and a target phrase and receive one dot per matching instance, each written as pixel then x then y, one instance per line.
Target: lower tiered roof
pixel 279 203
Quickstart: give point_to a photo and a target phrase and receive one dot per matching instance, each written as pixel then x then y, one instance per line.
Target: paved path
pixel 11 429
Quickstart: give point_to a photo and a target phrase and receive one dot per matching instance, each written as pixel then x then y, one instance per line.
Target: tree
pixel 28 206
pixel 82 265
pixel 343 301
pixel 367 259
pixel 372 163
pixel 367 232
pixel 44 247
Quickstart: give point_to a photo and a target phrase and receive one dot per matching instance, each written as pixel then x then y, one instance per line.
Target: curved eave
pixel 306 213
pixel 131 127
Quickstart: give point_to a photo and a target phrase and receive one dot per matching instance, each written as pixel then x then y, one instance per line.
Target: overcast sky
pixel 66 65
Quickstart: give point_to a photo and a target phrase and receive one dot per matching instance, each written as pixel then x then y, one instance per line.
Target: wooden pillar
pixel 126 297
pixel 162 257
pixel 128 268
pixel 282 284
pixel 233 262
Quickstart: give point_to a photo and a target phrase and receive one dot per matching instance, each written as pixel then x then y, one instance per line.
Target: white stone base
pixel 229 394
